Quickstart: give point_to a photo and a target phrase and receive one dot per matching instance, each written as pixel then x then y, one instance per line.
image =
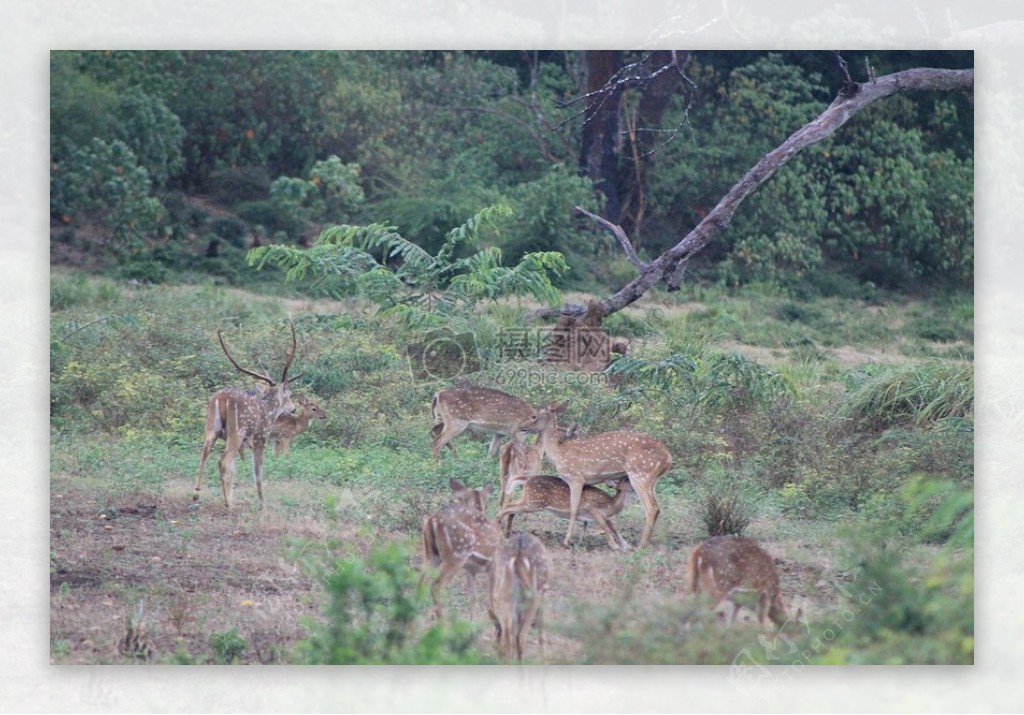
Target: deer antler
pixel 258 376
pixel 291 354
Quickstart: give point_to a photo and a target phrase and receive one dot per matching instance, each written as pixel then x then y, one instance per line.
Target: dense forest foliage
pixel 169 165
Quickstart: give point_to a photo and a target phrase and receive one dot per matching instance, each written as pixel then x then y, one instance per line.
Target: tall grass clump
pixel 724 514
pixel 915 395
pixel 79 290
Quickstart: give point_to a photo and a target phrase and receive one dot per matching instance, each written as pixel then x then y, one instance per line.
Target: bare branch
pixel 619 234
pixel 669 266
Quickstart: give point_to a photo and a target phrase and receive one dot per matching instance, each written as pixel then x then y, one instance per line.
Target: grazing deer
pixel 244 418
pixel 288 427
pixel 518 579
pixel 726 565
pixel 459 535
pixel 477 409
pixel 552 493
pixel 600 457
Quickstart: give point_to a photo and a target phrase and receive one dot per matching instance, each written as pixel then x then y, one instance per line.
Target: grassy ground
pixel 131 369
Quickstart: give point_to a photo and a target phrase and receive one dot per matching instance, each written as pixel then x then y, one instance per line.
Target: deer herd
pixel 461 537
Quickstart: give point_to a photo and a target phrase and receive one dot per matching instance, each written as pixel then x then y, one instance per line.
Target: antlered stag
pixel 244 418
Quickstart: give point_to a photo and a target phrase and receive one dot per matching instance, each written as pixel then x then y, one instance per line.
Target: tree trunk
pixel 642 143
pixel 599 151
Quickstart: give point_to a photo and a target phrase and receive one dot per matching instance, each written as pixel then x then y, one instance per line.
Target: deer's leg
pixel 257 467
pixel 528 619
pixel 448 571
pixel 497 625
pixel 575 495
pixel 731 609
pixel 449 431
pixel 471 583
pixel 651 510
pixel 539 622
pixel 609 531
pixel 495 443
pixel 763 601
pixel 510 511
pixel 207 448
pixel 227 475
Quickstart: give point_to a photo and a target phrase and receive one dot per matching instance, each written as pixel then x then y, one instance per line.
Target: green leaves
pixel 405 280
pixel 373 607
pixel 952 516
pixel 105 179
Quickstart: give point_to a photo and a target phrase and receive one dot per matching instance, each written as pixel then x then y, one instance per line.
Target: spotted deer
pixel 244 418
pixel 288 427
pixel 459 536
pixel 481 410
pixel 724 566
pixel 552 493
pixel 518 578
pixel 519 460
pixel 601 457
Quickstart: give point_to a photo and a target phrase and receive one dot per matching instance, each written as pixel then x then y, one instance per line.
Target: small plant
pixel 724 515
pixel 372 612
pixel 60 649
pixel 228 646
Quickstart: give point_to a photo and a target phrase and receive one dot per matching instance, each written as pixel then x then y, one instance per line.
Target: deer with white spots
pixel 543 492
pixel 602 457
pixel 518 578
pixel 724 566
pixel 244 418
pixel 481 410
pixel 519 460
pixel 288 427
pixel 459 536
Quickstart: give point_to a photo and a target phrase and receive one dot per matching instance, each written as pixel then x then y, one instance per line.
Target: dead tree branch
pixel 851 100
pixel 619 234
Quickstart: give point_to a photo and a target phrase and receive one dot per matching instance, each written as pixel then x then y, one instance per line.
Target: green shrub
pixel 235 185
pixel 231 230
pixel 228 646
pixel 372 613
pixel 104 179
pixel 273 217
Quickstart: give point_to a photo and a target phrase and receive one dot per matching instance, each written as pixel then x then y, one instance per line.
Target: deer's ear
pixel 486 491
pixel 559 409
pixel 456 485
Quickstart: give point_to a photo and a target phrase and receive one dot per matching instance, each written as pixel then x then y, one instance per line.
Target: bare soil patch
pixel 200 571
